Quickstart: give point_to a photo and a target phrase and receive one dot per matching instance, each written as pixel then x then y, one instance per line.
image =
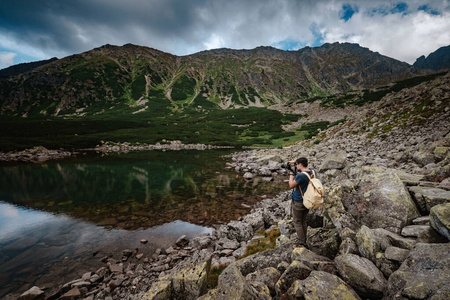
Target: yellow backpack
pixel 313 197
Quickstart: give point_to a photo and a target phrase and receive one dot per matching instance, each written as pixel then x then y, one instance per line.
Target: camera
pixel 288 167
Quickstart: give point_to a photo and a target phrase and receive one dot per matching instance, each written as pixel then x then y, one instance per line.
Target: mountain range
pixel 131 83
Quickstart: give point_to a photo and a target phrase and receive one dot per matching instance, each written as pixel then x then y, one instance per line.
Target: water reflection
pixel 136 190
pixel 39 248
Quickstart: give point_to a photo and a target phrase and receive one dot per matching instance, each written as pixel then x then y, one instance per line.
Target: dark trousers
pixel 299 213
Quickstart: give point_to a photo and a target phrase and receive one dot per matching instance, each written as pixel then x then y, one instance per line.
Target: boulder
pixel 323 241
pixel 268 276
pixel 202 241
pixel 333 161
pixel 232 285
pixel 335 210
pixel 321 285
pixel 348 246
pixel 423 158
pixel 286 227
pixel 264 171
pixel 182 241
pixel 229 244
pixel 236 230
pixel 188 280
pixel 318 262
pixel 445 184
pixel 427 197
pixel 160 290
pixel 296 270
pixel 361 274
pixel 415 230
pixel 440 219
pixel 380 201
pixel 441 153
pixel 387 238
pixel 396 254
pixel 31 294
pixel 256 220
pixel 265 259
pixel 409 178
pixel 248 175
pixel 368 243
pixel 423 275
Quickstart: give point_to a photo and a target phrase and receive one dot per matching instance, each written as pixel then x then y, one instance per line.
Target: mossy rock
pixel 423 275
pixel 322 285
pixel 362 275
pixel 440 219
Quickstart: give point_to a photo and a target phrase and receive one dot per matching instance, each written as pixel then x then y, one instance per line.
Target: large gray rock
pixel 236 230
pixel 256 220
pixel 396 254
pixel 361 274
pixel 324 241
pixel 387 238
pixel 318 262
pixel 321 285
pixel 232 285
pixel 440 219
pixel 368 243
pixel 415 230
pixel 423 275
pixel 423 158
pixel 427 197
pixel 265 259
pixel 333 161
pixel 268 276
pixel 188 280
pixel 296 270
pixel 408 177
pixel 381 201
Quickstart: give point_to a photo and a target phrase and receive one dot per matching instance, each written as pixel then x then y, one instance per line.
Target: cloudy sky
pixel 33 30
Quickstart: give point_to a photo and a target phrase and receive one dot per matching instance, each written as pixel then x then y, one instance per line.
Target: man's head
pixel 303 161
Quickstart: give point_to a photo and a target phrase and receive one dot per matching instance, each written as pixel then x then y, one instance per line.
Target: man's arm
pixel 292 182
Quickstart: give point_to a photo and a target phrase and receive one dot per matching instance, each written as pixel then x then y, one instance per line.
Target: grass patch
pixel 158 122
pixel 213 276
pixel 267 242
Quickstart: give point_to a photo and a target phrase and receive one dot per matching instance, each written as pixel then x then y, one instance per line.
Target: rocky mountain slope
pixel 136 76
pixel 438 60
pixel 24 68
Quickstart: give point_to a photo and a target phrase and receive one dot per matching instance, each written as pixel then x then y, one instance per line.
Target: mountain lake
pixel 59 218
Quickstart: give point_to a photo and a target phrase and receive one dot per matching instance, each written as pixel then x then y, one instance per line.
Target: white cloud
pixel 6 59
pixel 404 37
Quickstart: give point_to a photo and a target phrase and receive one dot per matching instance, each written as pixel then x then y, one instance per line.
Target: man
pixel 299 211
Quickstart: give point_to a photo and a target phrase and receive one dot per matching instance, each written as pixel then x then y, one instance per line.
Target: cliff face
pixel 438 60
pixel 110 75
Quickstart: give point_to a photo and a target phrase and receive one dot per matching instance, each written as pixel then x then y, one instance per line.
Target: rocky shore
pixel 166 145
pixel 383 233
pixel 37 154
pixel 41 154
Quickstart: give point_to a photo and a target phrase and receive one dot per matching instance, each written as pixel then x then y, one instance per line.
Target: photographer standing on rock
pixel 297 181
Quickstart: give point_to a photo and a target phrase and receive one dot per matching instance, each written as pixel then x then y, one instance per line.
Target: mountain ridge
pixel 223 77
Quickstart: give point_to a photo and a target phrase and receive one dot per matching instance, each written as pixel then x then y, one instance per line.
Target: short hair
pixel 303 161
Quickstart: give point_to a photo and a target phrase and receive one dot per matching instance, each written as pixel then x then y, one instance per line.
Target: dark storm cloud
pixel 45 28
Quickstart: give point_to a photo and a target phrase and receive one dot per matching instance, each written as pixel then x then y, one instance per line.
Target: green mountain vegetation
pixel 222 97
